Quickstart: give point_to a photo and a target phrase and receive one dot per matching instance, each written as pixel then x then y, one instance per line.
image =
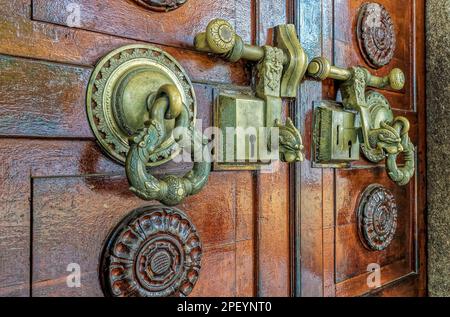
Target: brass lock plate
pixel 119 92
pixel 335 136
pixel 241 120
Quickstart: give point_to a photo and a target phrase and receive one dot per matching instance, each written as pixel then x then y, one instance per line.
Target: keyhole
pixel 350 149
pixel 252 140
pixel 337 134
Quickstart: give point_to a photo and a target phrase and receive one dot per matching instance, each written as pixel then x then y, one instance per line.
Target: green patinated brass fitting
pixel 170 190
pixel 291 146
pixel 383 135
pixel 137 96
pixel 279 70
pixel 335 137
pixel 220 38
pixel 120 91
pixel 320 68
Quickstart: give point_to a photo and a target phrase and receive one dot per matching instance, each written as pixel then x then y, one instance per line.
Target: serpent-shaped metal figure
pixel 402 175
pixel 170 190
pixel 383 135
pixel 290 146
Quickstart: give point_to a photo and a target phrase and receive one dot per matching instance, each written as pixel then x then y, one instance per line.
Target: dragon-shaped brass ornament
pixel 141 107
pixel 291 145
pixel 383 135
pixel 278 71
pixel 170 190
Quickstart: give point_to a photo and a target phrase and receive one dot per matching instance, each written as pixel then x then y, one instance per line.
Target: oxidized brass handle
pixel 170 190
pixel 141 106
pixel 279 70
pixel 320 68
pixel 384 136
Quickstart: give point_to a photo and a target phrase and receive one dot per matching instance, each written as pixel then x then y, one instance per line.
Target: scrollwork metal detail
pixel 154 252
pixel 141 107
pixel 376 34
pixel 269 72
pixel 170 190
pixel 377 217
pixel 291 145
pixel 385 136
pixel 402 175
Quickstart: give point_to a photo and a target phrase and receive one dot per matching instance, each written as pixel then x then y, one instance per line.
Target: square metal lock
pixel 241 120
pixel 335 138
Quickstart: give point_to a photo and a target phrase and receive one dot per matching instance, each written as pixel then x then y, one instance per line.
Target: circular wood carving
pixel 376 34
pixel 161 5
pixel 154 252
pixel 377 217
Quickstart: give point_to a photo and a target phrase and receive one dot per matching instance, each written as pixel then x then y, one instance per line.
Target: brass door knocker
pixel 141 107
pixel 383 135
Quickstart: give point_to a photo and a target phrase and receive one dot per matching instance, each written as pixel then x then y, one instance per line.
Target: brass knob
pixel 320 68
pixel 396 79
pixel 220 36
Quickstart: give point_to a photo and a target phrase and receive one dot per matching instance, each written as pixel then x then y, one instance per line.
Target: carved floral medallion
pixel 161 5
pixel 377 217
pixel 154 252
pixel 376 34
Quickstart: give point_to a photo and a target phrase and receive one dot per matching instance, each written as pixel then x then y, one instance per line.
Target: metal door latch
pixel 381 135
pixel 279 70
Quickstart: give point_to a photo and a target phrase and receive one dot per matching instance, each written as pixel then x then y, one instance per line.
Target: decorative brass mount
pixel 383 135
pixel 141 107
pixel 279 72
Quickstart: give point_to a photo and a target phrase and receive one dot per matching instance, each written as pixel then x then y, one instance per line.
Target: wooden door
pixel 60 196
pixel 331 258
pixel 293 232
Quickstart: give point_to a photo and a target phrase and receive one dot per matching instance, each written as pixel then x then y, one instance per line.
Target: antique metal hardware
pixel 382 134
pixel 248 113
pixel 279 71
pixel 141 107
pixel 320 68
pixel 335 135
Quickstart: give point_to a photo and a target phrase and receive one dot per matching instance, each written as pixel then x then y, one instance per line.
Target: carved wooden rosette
pixel 161 5
pixel 154 252
pixel 376 34
pixel 377 217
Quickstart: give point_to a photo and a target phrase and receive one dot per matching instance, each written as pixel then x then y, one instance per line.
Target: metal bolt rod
pixel 321 68
pixel 220 38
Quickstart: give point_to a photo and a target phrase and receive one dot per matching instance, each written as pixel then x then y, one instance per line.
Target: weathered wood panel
pixel 73 216
pixel 129 20
pixel 37 40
